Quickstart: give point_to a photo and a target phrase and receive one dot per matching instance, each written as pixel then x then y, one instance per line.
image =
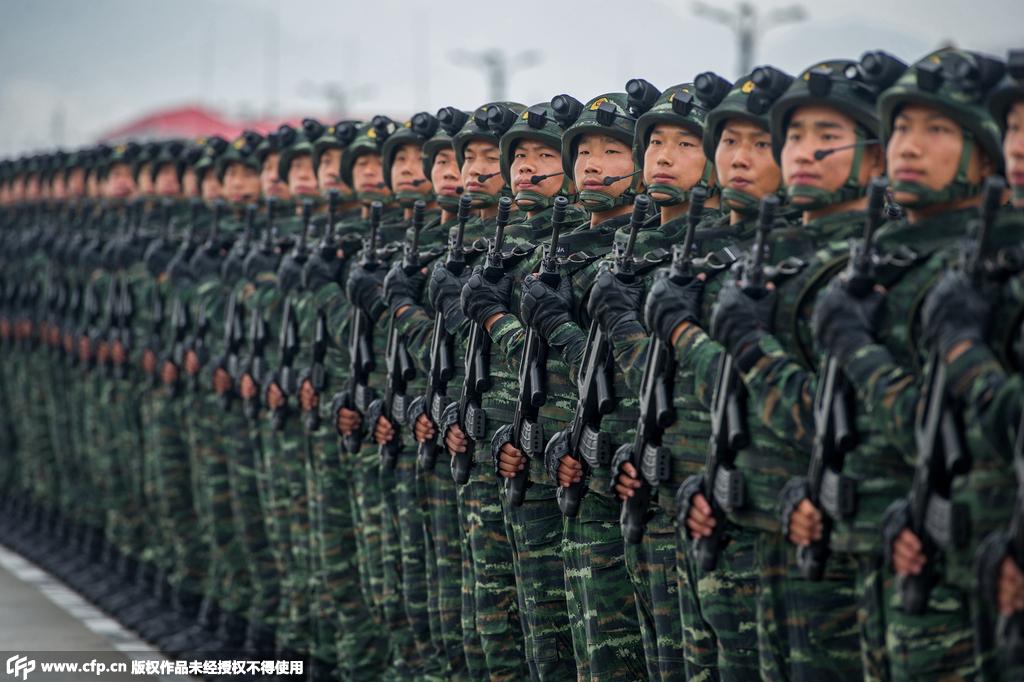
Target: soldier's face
pixel 210 187
pixel 328 173
pixel 92 185
pixel 32 188
pixel 599 156
pixel 190 184
pixel 1013 145
pixel 368 174
pixel 482 158
pixel 270 181
pixel 241 184
pixel 166 183
pixel 531 157
pixel 674 157
pixel 743 159
pixel 301 179
pixel 75 186
pixel 925 149
pixel 817 127
pixel 5 194
pixel 119 184
pixel 407 170
pixel 144 181
pixel 57 187
pixel 444 174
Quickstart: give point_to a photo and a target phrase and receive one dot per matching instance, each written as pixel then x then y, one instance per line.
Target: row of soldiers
pixel 720 382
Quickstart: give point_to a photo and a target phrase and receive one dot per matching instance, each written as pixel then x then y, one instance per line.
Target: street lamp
pixel 496 66
pixel 749 25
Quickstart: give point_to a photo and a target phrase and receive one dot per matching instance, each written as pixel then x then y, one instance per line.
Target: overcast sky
pixel 71 70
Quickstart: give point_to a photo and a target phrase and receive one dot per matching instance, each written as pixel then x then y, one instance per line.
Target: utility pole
pixel 496 66
pixel 748 25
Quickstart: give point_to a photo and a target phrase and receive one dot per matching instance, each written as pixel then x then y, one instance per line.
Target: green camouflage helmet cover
pixel 1009 91
pixel 850 87
pixel 487 122
pixel 539 123
pixel 687 106
pixel 337 136
pixel 956 83
pixel 241 150
pixel 122 153
pixel 147 152
pixel 750 100
pixel 368 140
pixel 416 131
pixel 172 152
pixel 213 147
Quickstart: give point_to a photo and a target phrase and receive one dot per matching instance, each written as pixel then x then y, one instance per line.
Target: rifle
pixel 122 337
pixel 400 366
pixel 155 335
pixel 288 342
pixel 722 484
pixel 832 493
pixel 359 395
pixel 442 360
pixel 233 338
pixel 472 417
pixel 317 372
pixel 647 455
pixel 179 333
pixel 942 455
pixel 588 444
pixel 526 432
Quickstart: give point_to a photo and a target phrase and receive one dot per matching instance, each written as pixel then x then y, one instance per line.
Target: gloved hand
pixel 843 322
pixel 445 291
pixel 954 311
pixel 482 298
pixel 741 316
pixel 613 302
pixel 670 304
pixel 364 290
pixel 546 308
pixel 401 289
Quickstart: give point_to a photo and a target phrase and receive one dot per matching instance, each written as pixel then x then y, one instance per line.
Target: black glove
pixel 445 292
pixel 669 305
pixel 843 322
pixel 954 311
pixel 482 298
pixel 741 316
pixel 401 289
pixel 613 302
pixel 545 308
pixel 364 290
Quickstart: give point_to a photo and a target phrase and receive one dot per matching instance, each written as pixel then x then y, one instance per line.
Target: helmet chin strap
pixel 407 198
pixel 959 188
pixel 673 196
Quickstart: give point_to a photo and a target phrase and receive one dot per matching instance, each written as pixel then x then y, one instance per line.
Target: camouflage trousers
pixel 37 449
pixel 602 608
pixel 174 486
pixel 126 479
pixel 58 409
pixel 652 568
pixel 444 566
pixel 490 593
pixel 158 547
pixel 243 456
pixel 404 515
pixel 405 658
pixel 366 502
pixel 536 528
pixel 360 639
pixel 938 644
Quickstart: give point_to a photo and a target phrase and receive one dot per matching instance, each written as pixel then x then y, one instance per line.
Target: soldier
pixel 940 144
pixel 597 155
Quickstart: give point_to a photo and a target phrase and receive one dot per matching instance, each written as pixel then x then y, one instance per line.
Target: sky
pixel 72 70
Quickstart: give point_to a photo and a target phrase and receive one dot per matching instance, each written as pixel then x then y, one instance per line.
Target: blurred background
pixel 74 73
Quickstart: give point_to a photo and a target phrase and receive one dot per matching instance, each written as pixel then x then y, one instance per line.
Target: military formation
pixel 716 382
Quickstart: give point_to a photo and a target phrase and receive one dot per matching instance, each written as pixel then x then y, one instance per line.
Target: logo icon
pixel 20 665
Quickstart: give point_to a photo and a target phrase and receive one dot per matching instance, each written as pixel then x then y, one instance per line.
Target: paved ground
pixel 40 614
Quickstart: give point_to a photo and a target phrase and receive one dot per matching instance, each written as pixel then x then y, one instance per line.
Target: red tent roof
pixel 183 122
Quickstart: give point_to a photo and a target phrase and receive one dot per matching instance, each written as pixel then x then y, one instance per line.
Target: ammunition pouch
pixel 729 491
pixel 684 497
pixel 795 491
pixel 501 436
pixel 554 451
pixel 895 519
pixel 656 464
pixel 474 422
pixel 595 447
pixel 947 523
pixel 838 494
pixel 531 438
